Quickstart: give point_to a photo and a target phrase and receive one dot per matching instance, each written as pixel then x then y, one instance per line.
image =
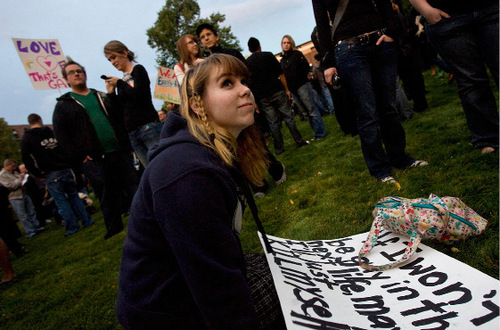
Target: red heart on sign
pixel 49 63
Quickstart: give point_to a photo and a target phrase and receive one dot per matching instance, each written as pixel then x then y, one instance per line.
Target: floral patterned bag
pixel 442 219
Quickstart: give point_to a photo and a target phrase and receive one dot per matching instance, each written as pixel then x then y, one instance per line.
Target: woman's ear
pixel 196 105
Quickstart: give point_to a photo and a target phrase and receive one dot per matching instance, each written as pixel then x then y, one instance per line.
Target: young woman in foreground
pixel 183 266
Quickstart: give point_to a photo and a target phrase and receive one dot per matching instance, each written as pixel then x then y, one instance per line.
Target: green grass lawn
pixel 72 282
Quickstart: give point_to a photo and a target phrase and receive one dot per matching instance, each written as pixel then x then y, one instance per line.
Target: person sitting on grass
pixel 183 266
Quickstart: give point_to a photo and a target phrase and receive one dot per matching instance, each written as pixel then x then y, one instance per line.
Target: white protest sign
pixel 42 59
pixel 166 87
pixel 321 286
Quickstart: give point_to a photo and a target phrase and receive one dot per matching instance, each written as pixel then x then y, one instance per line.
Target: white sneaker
pixel 259 195
pixel 418 163
pixel 390 179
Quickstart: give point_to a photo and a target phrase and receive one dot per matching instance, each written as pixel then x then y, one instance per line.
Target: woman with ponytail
pixel 134 94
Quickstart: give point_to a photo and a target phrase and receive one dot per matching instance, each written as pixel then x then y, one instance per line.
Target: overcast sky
pixel 84 27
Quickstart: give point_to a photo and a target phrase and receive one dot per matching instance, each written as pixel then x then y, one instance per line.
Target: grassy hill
pixel 72 282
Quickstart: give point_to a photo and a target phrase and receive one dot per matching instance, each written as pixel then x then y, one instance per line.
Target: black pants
pixel 413 81
pixel 9 231
pixel 114 183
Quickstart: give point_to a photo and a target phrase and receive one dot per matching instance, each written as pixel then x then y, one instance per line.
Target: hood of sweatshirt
pixel 174 131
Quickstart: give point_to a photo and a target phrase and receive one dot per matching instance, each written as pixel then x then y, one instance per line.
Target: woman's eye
pixel 244 82
pixel 227 82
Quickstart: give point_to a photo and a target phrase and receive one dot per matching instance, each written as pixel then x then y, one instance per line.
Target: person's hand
pixel 109 88
pixel 111 84
pixel 384 38
pixel 87 159
pixel 420 30
pixel 434 15
pixel 329 73
pixel 288 94
pixel 112 81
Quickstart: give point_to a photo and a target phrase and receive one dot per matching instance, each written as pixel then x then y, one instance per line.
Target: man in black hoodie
pixel 91 132
pixel 210 41
pixel 44 159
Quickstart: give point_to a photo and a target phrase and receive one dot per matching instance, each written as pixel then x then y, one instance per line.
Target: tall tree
pixel 9 148
pixel 179 17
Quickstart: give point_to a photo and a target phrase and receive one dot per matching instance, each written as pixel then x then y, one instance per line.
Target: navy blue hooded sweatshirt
pixel 182 265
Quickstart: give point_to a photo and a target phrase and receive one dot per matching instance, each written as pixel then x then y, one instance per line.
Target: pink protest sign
pixel 42 59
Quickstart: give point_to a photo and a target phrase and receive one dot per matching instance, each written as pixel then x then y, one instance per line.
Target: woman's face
pixel 285 44
pixel 228 102
pixel 118 60
pixel 192 47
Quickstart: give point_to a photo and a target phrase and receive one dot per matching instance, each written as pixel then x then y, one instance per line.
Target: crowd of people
pixel 204 161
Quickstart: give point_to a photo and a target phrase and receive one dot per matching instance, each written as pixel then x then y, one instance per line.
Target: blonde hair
pixel 247 149
pixel 9 161
pixel 119 47
pixel 185 56
pixel 292 42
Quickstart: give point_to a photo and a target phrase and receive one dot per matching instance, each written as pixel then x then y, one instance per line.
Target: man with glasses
pixel 90 130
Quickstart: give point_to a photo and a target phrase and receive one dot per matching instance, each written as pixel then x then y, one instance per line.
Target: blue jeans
pixel 25 211
pixel 304 96
pixel 371 71
pixel 326 99
pixel 276 108
pixel 144 138
pixel 467 42
pixel 62 187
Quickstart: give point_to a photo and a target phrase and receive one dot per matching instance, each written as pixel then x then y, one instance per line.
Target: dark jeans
pixel 467 42
pixel 305 97
pixel 371 72
pixel 114 183
pixel 144 138
pixel 276 108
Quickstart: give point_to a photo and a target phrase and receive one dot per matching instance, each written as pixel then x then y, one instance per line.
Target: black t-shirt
pixel 264 74
pixel 360 16
pixel 295 67
pixel 233 52
pixel 39 145
pixel 134 93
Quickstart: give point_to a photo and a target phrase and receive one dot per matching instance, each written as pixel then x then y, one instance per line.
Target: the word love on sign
pixel 42 59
